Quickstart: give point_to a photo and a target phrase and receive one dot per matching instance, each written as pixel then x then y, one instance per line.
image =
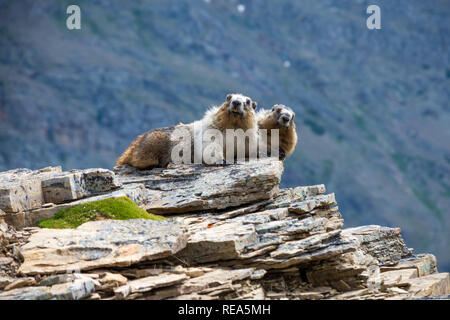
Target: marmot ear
pixel 274 107
pixel 254 105
pixel 229 96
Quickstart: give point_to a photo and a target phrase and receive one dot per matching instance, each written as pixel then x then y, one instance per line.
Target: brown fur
pixel 151 149
pixel 288 136
pixel 224 119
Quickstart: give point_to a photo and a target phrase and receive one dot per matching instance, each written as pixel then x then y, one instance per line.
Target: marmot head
pixel 284 115
pixel 238 104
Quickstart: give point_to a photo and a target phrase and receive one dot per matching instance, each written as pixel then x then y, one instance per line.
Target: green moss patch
pixel 119 209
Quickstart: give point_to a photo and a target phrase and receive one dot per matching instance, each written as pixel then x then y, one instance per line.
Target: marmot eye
pixel 247 101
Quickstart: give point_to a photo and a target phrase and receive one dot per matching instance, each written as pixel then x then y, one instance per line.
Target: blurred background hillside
pixel 372 107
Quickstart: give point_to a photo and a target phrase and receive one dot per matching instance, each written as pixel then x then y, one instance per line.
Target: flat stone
pixel 262 216
pixel 398 278
pixel 431 285
pixel 147 284
pixel 20 283
pixel 298 194
pixel 78 289
pixel 60 278
pixel 312 203
pixel 246 209
pixel 77 184
pixel 20 189
pixel 214 279
pixel 98 244
pixel 383 243
pixel 187 188
pixel 21 195
pixel 191 272
pixel 334 248
pixel 211 283
pixel 425 264
pixel 294 248
pixel 221 242
pixel 28 293
pixel 141 273
pixel 396 290
pixel 349 271
pixel 292 226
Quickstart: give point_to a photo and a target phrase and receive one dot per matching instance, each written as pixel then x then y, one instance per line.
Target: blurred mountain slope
pixel 372 106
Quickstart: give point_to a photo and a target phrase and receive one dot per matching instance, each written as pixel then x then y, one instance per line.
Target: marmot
pixel 282 118
pixel 237 112
pixel 154 148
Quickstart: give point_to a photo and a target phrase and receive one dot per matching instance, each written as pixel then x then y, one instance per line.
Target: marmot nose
pixel 236 104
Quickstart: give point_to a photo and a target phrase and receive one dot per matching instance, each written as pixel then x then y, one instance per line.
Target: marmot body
pixel 151 149
pixel 154 148
pixel 282 118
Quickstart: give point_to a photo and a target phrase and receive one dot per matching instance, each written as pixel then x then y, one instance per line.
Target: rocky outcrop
pixel 231 233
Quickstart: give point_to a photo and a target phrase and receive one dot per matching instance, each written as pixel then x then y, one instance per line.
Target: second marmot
pixel 282 118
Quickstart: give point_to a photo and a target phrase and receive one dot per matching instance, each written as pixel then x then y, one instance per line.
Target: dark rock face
pixel 372 106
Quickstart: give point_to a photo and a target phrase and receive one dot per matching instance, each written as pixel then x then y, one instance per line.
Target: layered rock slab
pixel 212 284
pixel 187 188
pixel 271 236
pixel 72 290
pixel 383 243
pixel 20 189
pixel 24 189
pixel 27 196
pixel 98 244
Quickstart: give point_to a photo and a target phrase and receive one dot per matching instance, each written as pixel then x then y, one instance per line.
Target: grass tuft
pixel 118 208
